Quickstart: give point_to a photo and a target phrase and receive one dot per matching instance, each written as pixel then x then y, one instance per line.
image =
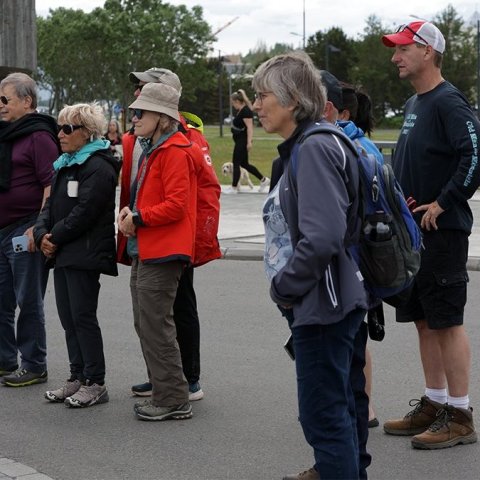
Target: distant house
pixel 18 37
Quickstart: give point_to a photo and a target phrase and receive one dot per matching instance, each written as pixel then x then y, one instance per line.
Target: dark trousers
pixel 357 382
pixel 76 294
pixel 23 281
pixel 185 316
pixel 323 357
pixel 240 159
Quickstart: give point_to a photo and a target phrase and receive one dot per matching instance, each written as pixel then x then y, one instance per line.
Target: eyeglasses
pixel 136 112
pixel 402 28
pixel 261 96
pixel 68 129
pixel 139 86
pixel 4 99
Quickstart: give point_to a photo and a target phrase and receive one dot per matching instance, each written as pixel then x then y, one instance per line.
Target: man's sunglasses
pixel 139 86
pixel 402 28
pixel 136 112
pixel 68 129
pixel 4 99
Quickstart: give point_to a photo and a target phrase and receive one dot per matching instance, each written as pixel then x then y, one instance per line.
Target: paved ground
pixel 246 427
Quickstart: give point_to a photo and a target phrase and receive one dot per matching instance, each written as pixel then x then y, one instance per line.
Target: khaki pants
pixel 153 288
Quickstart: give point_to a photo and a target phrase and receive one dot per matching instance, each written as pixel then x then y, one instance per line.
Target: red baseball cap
pixel 425 33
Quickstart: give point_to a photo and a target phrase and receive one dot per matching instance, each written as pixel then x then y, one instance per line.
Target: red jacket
pixel 166 202
pixel 208 194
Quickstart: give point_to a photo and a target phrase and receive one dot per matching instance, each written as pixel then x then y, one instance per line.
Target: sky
pixel 256 22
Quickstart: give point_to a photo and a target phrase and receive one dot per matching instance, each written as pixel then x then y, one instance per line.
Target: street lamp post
pixel 304 25
pixel 220 93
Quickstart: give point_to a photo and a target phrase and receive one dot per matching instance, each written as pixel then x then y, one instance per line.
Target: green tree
pixel 458 67
pixel 375 71
pixel 333 51
pixel 83 56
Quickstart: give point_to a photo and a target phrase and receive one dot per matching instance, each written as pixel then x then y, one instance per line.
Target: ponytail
pixel 241 96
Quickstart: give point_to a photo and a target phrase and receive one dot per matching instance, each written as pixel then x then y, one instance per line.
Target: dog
pixel 227 169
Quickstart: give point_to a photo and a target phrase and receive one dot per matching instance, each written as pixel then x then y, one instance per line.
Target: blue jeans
pixel 323 358
pixel 23 281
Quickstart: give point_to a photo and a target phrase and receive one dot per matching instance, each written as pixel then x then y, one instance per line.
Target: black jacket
pixel 82 225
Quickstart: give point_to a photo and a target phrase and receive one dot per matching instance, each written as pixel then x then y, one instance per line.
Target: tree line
pixel 87 56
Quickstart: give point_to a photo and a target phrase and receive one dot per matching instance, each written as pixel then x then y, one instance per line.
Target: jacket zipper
pixel 330 287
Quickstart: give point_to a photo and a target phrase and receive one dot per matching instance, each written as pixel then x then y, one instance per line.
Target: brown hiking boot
pixel 310 474
pixel 453 426
pixel 416 421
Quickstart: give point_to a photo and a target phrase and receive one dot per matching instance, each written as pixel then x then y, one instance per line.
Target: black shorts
pixel 439 293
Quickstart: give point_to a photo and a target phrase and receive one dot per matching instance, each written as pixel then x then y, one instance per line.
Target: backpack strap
pixel 322 128
pixel 353 194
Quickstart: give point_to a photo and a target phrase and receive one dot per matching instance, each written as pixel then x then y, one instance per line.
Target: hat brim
pixel 397 39
pixel 135 77
pixel 146 105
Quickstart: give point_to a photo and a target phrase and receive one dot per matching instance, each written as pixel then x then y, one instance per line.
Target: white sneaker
pixel 231 191
pixel 264 184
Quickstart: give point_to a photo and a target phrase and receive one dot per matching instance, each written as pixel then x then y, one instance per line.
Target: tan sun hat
pixel 158 97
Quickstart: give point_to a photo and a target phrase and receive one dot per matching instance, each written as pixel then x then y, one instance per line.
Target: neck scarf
pixel 82 155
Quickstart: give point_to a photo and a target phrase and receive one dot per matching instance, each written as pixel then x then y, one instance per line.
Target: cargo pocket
pixel 451 293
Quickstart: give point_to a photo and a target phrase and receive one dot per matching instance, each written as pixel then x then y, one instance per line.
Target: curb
pixel 235 253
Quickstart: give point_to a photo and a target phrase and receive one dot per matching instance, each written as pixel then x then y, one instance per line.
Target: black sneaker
pixel 142 389
pixel 24 378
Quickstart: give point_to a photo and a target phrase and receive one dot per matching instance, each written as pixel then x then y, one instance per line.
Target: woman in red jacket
pixel 160 226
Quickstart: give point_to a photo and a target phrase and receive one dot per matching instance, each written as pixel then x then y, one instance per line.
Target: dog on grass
pixel 227 169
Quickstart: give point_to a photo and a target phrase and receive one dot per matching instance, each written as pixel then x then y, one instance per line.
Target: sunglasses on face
pixel 139 86
pixel 4 99
pixel 136 112
pixel 68 129
pixel 402 28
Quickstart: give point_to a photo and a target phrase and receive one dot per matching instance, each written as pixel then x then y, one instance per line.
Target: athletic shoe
pixel 264 184
pixel 24 378
pixel 142 389
pixel 453 426
pixel 88 395
pixel 59 395
pixel 7 371
pixel 373 423
pixel 153 413
pixel 231 191
pixel 195 392
pixel 310 474
pixel 142 403
pixel 415 421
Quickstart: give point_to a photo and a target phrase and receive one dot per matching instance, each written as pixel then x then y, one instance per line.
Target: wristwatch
pixel 136 218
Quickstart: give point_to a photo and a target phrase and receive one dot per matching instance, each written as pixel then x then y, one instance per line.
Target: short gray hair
pixel 24 86
pixel 294 80
pixel 88 115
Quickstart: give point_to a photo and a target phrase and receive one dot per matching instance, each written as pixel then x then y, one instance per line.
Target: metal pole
pixel 304 24
pixel 220 93
pixel 230 94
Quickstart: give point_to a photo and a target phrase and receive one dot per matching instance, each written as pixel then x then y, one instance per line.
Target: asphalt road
pixel 246 427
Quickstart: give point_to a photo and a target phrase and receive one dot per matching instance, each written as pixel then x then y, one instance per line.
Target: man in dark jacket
pixel 28 147
pixel 436 163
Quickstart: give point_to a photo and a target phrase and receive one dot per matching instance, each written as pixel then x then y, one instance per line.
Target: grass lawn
pixel 264 148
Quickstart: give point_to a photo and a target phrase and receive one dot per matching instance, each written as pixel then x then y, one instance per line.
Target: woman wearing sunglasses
pixel 160 226
pixel 76 232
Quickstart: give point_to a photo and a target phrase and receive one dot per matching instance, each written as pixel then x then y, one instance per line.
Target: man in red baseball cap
pixel 436 163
